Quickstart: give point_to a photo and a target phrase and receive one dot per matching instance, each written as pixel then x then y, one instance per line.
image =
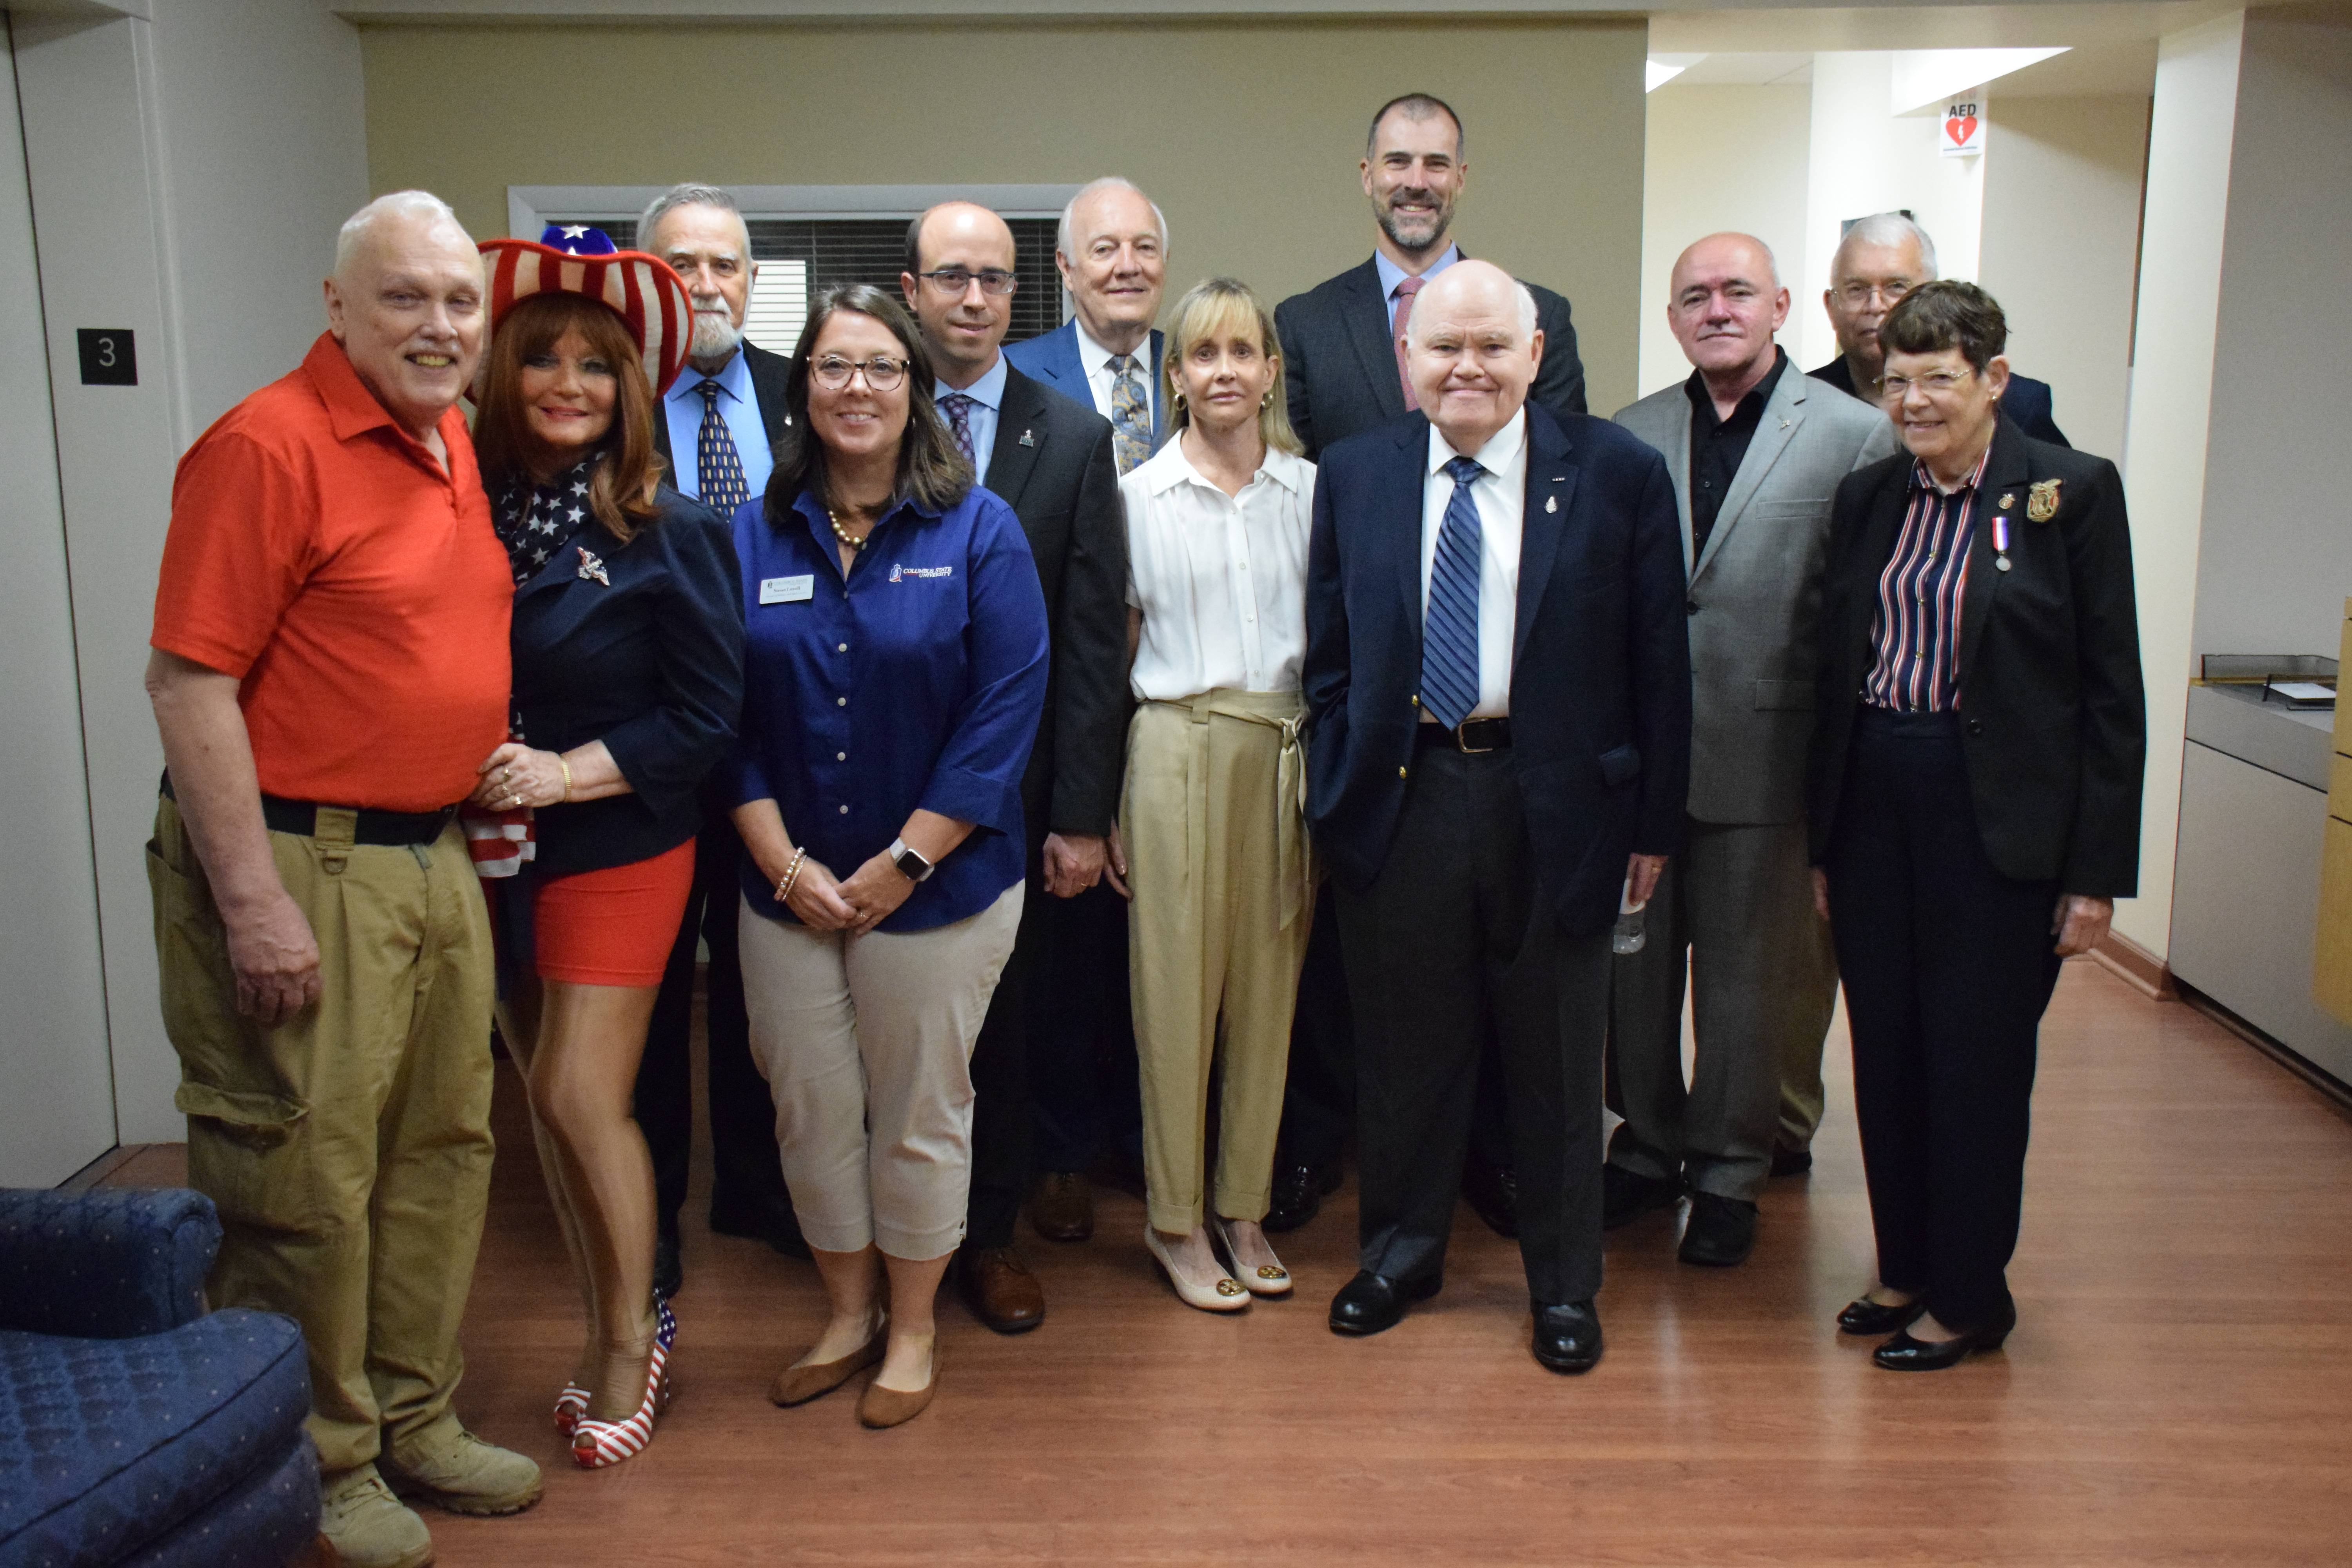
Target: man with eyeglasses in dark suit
pixel 1053 461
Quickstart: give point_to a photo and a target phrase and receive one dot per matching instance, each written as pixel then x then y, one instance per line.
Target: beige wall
pixel 1247 135
pixel 1721 158
pixel 2063 181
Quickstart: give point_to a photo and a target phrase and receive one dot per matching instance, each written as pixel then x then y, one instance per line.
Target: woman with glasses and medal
pixel 1974 801
pixel 629 648
pixel 895 670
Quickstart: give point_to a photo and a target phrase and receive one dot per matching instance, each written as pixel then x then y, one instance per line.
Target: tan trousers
pixel 1215 823
pixel 348 1150
pixel 866 1042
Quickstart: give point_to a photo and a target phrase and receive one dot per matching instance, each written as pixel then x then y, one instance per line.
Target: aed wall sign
pixel 1964 128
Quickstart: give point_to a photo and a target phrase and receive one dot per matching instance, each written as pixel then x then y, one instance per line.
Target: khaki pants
pixel 1216 843
pixel 348 1150
pixel 866 1042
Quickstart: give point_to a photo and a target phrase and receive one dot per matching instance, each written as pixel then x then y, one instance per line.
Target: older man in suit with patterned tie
pixel 1500 693
pixel 1755 451
pixel 715 428
pixel 1112 253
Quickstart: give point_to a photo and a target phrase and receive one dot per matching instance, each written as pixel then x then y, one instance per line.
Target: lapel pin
pixel 1028 439
pixel 2042 500
pixel 2000 540
pixel 1551 503
pixel 591 568
pixel 2008 500
pixel 1786 423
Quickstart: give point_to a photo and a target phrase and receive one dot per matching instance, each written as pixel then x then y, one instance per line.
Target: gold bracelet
pixel 567 775
pixel 792 874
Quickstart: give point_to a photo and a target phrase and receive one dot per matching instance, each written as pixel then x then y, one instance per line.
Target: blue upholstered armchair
pixel 134 1426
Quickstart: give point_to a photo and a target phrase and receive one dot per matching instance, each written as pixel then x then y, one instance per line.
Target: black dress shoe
pixel 1298 1193
pixel 1494 1196
pixel 1721 1232
pixel 1372 1302
pixel 1903 1354
pixel 1791 1161
pixel 1568 1337
pixel 1864 1316
pixel 669 1274
pixel 1627 1196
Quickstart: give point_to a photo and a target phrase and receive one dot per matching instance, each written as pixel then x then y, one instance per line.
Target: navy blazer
pixel 2030 403
pixel 1340 363
pixel 649 660
pixel 1600 689
pixel 1053 358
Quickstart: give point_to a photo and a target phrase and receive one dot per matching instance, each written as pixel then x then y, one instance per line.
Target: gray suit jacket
pixel 1755 596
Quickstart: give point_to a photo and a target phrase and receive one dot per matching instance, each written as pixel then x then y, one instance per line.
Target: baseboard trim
pixel 2136 966
pixel 2335 1091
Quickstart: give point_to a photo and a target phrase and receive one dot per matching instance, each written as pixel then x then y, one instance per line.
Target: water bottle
pixel 1629 936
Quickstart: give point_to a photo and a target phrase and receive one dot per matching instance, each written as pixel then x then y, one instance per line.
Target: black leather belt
pixel 1475 736
pixel 382 828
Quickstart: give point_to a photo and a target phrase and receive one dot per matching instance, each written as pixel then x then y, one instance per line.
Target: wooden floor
pixel 2179 1390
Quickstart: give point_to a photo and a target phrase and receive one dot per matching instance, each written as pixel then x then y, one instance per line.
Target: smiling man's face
pixel 1414 174
pixel 407 307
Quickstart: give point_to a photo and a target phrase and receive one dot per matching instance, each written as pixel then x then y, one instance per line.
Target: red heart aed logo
pixel 1961 129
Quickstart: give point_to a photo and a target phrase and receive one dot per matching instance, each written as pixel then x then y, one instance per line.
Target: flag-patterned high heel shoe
pixel 597 1444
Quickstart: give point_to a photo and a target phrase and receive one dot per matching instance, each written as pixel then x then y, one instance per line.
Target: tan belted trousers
pixel 1214 822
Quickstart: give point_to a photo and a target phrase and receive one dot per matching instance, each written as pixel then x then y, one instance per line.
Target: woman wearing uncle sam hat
pixel 628 675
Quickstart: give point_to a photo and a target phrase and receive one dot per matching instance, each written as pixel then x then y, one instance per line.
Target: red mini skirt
pixel 613 926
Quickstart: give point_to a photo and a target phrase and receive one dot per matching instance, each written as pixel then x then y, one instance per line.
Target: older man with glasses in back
pixel 1053 460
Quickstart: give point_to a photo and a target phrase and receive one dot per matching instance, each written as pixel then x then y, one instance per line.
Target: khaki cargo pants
pixel 348 1150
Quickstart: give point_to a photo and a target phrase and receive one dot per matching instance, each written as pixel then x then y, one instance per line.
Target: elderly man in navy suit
pixel 1499 685
pixel 1112 253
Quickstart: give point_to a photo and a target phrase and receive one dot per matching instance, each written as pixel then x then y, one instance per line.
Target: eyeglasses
pixel 882 373
pixel 1934 383
pixel 1856 293
pixel 956 280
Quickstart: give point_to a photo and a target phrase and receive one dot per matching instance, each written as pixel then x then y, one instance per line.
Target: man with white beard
pixel 716 426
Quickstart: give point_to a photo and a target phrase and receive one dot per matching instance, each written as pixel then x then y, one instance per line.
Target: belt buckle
pixel 1462 738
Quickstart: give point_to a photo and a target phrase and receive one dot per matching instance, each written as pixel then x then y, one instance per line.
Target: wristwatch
pixel 909 862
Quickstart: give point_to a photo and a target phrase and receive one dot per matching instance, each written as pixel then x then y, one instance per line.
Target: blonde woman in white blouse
pixel 1213 821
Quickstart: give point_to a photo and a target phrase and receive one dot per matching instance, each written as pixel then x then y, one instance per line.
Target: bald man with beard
pixel 1500 697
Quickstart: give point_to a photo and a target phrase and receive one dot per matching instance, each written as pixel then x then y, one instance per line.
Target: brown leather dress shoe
pixel 1063 1207
pixel 1000 1290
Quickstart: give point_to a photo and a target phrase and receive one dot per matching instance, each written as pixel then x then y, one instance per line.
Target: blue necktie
pixel 718 466
pixel 959 409
pixel 1449 628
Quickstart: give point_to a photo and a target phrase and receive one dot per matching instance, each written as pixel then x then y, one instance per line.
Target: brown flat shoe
pixel 799 1385
pixel 1063 1208
pixel 879 1408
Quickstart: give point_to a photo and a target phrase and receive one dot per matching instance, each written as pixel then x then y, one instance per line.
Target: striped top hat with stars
pixel 574 259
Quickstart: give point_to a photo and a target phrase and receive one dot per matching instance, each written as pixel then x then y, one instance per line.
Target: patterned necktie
pixel 1405 293
pixel 1131 414
pixel 959 409
pixel 1449 630
pixel 718 466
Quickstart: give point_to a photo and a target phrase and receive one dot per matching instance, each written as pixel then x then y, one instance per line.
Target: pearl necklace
pixel 855 541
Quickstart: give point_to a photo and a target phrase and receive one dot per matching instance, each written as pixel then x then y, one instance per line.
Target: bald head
pixel 1725 302
pixel 406 302
pixel 1472 349
pixel 962 326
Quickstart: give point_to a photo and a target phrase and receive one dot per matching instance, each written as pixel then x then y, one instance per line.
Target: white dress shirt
pixel 1221 580
pixel 1501 494
pixel 1095 360
pixel 987 396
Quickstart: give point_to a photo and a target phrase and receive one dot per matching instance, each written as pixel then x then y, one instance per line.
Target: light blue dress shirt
pixel 1392 274
pixel 987 395
pixel 738 404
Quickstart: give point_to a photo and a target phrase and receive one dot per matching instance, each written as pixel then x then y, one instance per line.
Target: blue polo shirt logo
pixel 899 573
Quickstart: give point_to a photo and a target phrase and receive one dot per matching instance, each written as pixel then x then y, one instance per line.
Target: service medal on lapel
pixel 2042 500
pixel 591 568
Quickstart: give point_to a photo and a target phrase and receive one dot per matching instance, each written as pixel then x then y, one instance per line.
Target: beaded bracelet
pixel 792 874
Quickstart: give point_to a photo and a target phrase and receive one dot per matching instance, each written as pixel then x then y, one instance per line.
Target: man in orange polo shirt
pixel 330 669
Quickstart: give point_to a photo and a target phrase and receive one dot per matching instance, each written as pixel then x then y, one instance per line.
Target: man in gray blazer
pixel 1756 449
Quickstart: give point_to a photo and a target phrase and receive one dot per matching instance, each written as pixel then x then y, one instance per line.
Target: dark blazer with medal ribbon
pixel 1339 366
pixel 1600 693
pixel 640 646
pixel 2053 722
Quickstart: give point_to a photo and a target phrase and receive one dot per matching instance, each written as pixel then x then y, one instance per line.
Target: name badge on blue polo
pixel 786 590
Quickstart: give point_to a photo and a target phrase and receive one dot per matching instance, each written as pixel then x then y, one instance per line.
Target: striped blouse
pixel 1917 635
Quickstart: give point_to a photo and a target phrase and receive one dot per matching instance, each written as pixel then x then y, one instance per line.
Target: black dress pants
pixel 1453 940
pixel 1083 1085
pixel 1948 967
pixel 747 1188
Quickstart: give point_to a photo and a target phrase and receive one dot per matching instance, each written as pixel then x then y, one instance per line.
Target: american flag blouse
pixel 1915 666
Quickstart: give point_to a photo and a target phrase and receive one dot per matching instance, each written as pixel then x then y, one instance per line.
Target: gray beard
pixel 716 335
